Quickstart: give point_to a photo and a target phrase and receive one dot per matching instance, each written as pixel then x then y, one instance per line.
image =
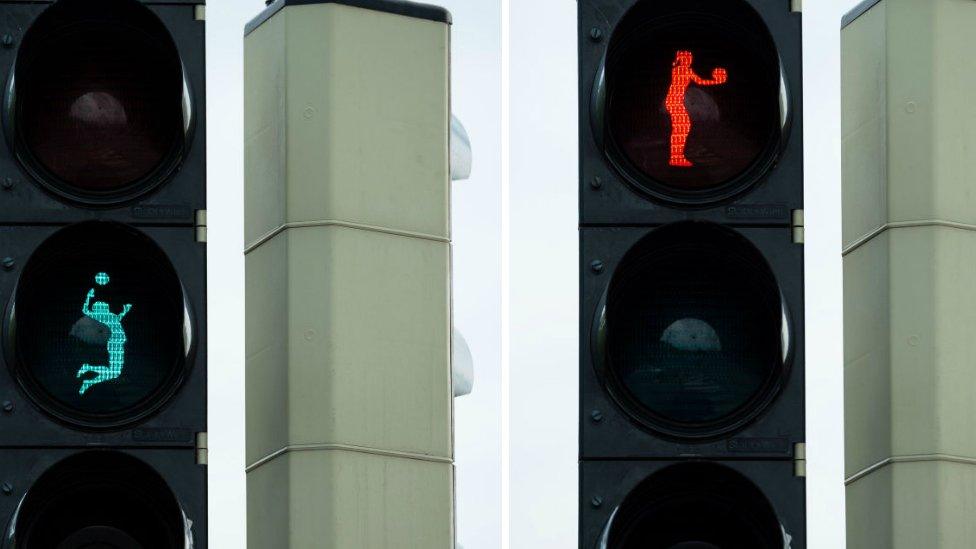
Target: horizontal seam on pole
pixel 905 224
pixel 336 223
pixel 345 448
pixel 908 459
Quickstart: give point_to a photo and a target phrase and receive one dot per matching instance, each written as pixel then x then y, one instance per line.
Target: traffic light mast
pixel 691 275
pixel 909 230
pixel 348 347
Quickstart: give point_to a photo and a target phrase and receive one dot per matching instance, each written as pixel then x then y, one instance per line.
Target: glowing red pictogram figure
pixel 682 76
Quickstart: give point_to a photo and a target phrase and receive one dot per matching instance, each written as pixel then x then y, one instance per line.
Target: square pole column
pixel 349 406
pixel 909 131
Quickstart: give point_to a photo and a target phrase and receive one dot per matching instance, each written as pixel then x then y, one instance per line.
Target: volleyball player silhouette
pixel 116 341
pixel 682 76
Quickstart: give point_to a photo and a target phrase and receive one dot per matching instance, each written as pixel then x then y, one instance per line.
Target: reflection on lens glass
pixel 100 500
pixel 99 321
pixel 694 324
pixel 693 96
pixel 696 506
pixel 100 94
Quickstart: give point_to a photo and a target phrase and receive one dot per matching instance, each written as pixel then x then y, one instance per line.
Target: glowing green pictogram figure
pixel 116 340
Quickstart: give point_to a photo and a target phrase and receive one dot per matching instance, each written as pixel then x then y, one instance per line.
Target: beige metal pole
pixel 349 404
pixel 909 130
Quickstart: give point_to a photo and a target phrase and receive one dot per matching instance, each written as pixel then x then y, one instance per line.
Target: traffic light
pixel 691 274
pixel 102 247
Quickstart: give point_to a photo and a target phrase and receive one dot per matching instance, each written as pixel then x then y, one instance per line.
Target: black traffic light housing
pixel 692 427
pixel 103 369
pixel 171 417
pixel 612 190
pixel 660 504
pixel 82 496
pixel 169 192
pixel 611 423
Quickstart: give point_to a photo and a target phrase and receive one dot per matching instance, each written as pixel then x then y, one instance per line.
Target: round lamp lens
pixel 100 500
pixel 694 328
pixel 696 506
pixel 99 97
pixel 693 95
pixel 99 330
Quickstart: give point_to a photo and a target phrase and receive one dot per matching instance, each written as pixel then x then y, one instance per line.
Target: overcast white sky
pixel 544 247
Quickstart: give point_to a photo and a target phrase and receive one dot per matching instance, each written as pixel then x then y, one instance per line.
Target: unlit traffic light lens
pixel 696 506
pixel 694 330
pixel 100 324
pixel 99 98
pixel 693 97
pixel 100 500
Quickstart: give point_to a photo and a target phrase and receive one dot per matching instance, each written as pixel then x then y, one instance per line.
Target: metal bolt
pixel 8 406
pixel 596 34
pixel 597 266
pixel 596 182
pixel 8 263
pixel 7 488
pixel 596 502
pixel 596 416
pixel 7 183
pixel 7 41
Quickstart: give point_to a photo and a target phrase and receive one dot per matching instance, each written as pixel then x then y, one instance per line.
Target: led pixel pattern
pixel 101 313
pixel 682 76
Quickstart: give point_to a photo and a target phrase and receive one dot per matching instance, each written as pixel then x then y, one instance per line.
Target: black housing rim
pixel 631 265
pixel 628 36
pixel 100 472
pixel 698 485
pixel 155 35
pixel 138 412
